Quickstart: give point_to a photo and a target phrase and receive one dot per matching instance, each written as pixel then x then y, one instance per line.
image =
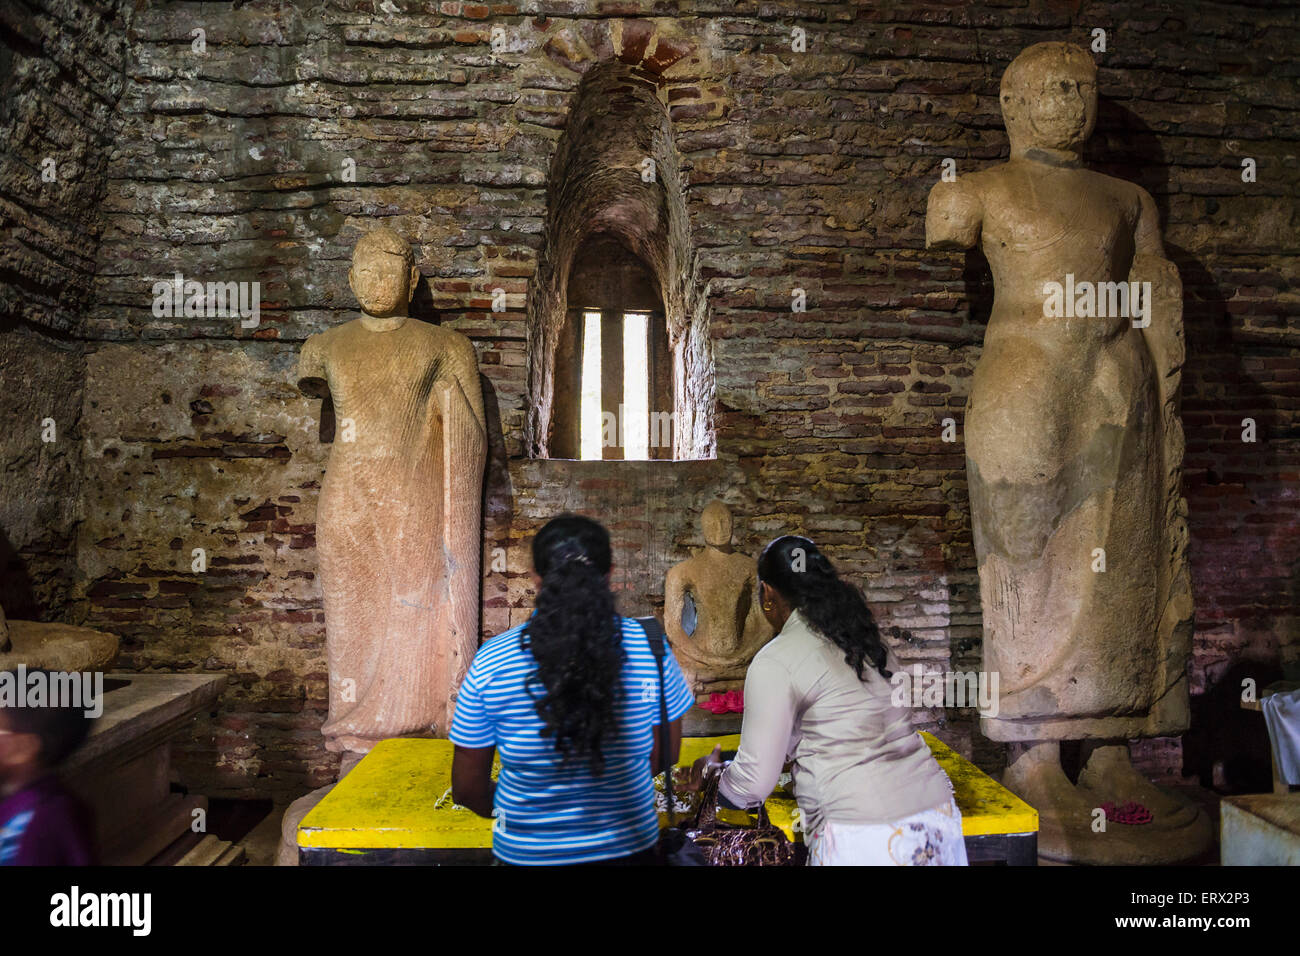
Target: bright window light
pixel 636 386
pixel 590 420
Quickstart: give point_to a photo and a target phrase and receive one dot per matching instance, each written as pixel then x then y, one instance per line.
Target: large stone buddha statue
pixel 398 525
pixel 1074 452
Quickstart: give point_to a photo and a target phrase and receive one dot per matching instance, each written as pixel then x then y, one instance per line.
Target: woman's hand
pixel 701 769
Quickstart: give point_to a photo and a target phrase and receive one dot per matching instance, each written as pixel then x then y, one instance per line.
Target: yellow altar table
pixel 395 807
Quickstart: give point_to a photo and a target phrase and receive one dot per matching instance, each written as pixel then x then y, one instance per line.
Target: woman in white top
pixel 819 695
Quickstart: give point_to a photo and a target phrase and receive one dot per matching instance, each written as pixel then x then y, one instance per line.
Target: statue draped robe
pixel 398 525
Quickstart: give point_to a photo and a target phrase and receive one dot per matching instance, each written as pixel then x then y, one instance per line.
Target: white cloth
pixel 929 838
pixel 1282 715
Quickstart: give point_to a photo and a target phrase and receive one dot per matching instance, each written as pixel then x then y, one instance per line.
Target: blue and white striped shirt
pixel 547 813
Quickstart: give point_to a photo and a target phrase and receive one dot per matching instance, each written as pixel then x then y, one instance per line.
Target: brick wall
pixel 62 69
pixel 805 170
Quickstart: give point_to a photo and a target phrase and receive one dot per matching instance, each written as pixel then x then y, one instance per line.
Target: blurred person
pixel 41 824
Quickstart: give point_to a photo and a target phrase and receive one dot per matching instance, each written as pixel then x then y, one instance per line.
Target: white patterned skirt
pixel 929 838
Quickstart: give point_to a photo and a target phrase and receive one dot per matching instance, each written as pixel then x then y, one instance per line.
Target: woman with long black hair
pixel 819 695
pixel 570 699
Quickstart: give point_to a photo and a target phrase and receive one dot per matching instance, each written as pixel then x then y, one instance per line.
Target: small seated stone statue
pixel 711 610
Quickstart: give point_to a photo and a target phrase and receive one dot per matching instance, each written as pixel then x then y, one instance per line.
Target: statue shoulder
pixel 955 212
pixel 681 570
pixel 318 340
pixel 453 343
pixel 1133 198
pixel 743 561
pixel 1143 215
pixel 313 359
pixel 321 342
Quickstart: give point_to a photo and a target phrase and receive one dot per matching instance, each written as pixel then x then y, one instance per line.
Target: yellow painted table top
pixel 398 797
pixel 987 807
pixel 393 799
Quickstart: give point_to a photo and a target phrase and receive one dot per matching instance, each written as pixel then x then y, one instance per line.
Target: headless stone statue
pixel 1074 457
pixel 398 525
pixel 711 611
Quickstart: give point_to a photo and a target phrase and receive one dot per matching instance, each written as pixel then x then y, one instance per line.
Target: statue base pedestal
pixel 1072 822
pixel 287 855
pixel 1261 829
pixel 56 647
pixel 698 722
pixel 1160 842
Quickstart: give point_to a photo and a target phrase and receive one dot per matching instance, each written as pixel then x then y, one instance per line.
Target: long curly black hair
pixel 807 579
pixel 576 637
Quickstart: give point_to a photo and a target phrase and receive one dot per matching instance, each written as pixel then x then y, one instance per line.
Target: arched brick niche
pixel 601 195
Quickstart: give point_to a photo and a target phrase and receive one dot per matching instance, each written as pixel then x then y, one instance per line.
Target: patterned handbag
pixel 725 844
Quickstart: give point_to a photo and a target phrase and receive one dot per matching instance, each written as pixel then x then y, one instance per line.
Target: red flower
pixel 1130 813
pixel 733 701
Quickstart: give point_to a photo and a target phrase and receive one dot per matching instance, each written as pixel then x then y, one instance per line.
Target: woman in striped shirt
pixel 570 700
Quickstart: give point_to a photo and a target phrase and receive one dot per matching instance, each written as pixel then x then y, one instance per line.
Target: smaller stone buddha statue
pixel 711 610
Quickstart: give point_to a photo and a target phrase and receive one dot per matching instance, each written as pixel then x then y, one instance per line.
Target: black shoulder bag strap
pixel 675 847
pixel 654 633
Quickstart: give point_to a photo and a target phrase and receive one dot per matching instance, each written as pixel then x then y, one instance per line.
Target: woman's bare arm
pixel 472 785
pixel 674 746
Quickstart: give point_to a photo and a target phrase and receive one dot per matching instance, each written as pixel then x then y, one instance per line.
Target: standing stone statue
pixel 711 610
pixel 1074 454
pixel 398 526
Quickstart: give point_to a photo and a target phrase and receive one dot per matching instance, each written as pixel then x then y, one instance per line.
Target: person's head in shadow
pixel 575 636
pixel 795 576
pixel 40 823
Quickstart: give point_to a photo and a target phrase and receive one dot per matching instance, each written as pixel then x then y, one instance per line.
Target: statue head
pixel 383 276
pixel 716 522
pixel 1049 100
